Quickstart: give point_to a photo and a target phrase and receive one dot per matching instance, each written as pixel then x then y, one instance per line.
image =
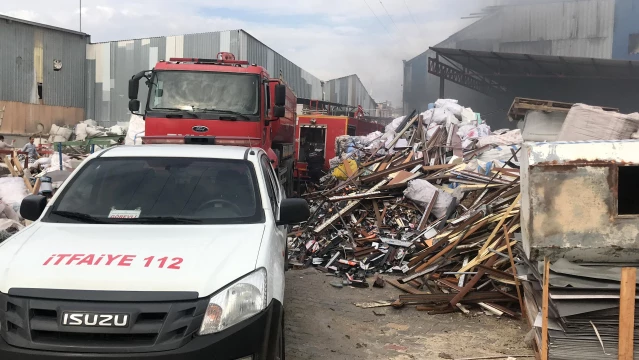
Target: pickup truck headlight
pixel 237 302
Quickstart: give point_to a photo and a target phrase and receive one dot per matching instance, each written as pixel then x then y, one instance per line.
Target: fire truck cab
pixel 220 101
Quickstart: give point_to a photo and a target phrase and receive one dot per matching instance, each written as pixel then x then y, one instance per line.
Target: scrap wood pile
pixel 428 210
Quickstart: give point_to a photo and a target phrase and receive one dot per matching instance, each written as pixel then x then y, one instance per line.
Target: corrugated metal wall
pixel 565 28
pixel 349 90
pixel 582 28
pixel 111 65
pixel 18 64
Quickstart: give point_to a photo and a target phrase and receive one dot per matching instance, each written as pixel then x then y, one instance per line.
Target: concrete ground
pixel 322 322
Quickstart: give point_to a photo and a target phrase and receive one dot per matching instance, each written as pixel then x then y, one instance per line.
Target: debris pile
pixel 420 202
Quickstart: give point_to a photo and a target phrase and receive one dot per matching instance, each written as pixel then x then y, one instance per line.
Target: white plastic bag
pixel 116 130
pixel 12 191
pixel 422 192
pixel 94 132
pixel 368 139
pixel 55 162
pixel 512 137
pixel 135 131
pixel 81 132
pixel 469 132
pixel 393 126
pixel 441 102
pixel 443 116
pixel 90 122
pixel 468 116
pixel 59 133
pixel 454 109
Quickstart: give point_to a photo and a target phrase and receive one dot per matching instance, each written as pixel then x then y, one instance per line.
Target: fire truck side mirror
pixel 279 111
pixel 280 95
pixel 134 105
pixel 134 84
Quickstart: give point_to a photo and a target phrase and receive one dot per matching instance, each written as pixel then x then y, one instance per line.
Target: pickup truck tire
pixel 282 349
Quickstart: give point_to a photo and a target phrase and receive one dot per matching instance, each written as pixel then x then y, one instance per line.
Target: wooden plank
pixel 544 311
pixel 36 187
pixel 627 313
pixel 407 288
pixel 27 183
pixel 347 167
pixel 7 162
pixel 378 217
pixel 16 163
pixel 512 265
pixel 424 221
pixel 499 225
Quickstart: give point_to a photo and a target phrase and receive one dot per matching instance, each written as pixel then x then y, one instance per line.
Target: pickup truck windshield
pixel 204 91
pixel 161 191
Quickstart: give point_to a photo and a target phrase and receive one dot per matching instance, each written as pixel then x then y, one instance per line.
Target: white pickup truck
pixel 151 252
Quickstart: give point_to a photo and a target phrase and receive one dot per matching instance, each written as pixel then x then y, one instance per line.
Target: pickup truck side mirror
pixel 280 95
pixel 293 211
pixel 32 207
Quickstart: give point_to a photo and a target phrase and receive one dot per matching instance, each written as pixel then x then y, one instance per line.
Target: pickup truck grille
pixel 153 326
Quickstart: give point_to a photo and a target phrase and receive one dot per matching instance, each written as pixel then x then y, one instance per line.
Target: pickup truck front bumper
pixel 255 338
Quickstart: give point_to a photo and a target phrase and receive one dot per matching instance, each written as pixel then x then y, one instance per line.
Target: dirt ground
pixel 322 322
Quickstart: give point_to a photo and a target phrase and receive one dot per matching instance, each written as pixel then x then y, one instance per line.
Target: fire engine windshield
pixel 159 190
pixel 204 91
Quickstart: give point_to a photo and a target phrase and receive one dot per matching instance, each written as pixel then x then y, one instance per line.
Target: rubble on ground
pixel 419 202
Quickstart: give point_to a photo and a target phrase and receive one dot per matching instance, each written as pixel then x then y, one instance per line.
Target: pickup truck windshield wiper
pixel 161 220
pixel 224 112
pixel 86 218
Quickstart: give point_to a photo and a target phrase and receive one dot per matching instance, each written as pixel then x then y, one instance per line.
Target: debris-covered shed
pixel 579 200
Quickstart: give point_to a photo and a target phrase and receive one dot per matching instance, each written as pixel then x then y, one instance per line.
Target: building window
pixel 633 44
pixel 40 91
pixel 628 190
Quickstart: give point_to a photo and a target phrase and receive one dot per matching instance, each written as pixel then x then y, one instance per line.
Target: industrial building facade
pixel 50 75
pixel 594 29
pixel 41 76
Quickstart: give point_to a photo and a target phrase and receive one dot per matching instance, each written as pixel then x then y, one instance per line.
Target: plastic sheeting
pixel 392 127
pixel 509 138
pixel 136 131
pixel 12 191
pixel 585 122
pixel 422 192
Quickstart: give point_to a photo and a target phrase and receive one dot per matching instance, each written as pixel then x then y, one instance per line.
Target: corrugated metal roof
pixel 567 28
pixel 10 19
pixel 349 90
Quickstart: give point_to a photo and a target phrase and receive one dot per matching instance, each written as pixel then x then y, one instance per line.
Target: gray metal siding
pixel 582 28
pixel 568 28
pixel 349 90
pixel 17 65
pixel 107 99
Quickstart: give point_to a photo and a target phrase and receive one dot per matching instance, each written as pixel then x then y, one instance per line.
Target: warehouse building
pixel 41 76
pixel 570 50
pixel 50 75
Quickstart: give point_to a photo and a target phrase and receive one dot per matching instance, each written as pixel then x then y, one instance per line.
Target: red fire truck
pixel 221 101
pixel 321 125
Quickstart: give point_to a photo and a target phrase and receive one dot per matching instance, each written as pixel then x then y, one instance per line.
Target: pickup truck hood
pixel 196 258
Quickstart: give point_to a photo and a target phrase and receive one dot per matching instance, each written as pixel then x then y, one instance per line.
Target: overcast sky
pixel 328 38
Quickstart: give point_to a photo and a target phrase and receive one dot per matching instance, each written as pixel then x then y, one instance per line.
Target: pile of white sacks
pixel 447 113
